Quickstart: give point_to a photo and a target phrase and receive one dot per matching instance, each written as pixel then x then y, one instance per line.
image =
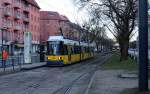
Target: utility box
pixel 27 47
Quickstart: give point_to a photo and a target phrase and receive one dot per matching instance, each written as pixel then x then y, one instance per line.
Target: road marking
pixel 90 84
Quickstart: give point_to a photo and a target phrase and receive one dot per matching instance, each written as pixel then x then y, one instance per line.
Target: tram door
pixel 69 54
pixel 82 48
pixel 80 52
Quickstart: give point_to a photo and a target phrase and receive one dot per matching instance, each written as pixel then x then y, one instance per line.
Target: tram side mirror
pixel 41 52
pixel 38 51
pixel 44 52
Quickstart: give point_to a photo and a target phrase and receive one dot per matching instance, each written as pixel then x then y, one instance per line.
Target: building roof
pixel 34 3
pixel 64 18
pixel 51 15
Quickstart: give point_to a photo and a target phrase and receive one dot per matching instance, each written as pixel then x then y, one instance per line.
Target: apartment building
pixel 50 24
pixel 17 17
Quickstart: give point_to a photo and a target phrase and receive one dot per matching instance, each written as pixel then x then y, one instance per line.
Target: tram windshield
pixel 55 48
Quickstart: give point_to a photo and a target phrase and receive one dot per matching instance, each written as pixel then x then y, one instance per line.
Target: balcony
pixel 26 19
pixel 26 30
pixel 7 12
pixel 7 25
pixel 26 9
pixel 25 27
pixel 26 6
pixel 17 16
pixel 7 1
pixel 16 37
pixel 17 5
pixel 18 27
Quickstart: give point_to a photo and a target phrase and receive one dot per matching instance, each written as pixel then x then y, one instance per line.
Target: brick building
pixel 19 16
pixel 50 24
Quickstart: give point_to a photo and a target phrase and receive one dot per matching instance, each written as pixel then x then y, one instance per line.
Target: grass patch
pixel 134 91
pixel 114 63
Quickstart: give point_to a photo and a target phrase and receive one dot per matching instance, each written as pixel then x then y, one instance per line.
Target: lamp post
pixel 143 45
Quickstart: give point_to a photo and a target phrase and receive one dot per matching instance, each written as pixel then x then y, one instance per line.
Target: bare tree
pixel 121 13
pixel 97 35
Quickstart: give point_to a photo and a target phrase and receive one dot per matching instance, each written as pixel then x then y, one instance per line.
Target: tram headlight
pixel 60 58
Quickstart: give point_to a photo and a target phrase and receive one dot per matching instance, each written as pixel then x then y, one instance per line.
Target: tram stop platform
pixel 18 68
pixel 33 66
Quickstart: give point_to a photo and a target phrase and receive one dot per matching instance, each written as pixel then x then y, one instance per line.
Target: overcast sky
pixel 64 7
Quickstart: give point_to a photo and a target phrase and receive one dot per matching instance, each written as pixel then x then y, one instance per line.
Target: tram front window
pixel 55 48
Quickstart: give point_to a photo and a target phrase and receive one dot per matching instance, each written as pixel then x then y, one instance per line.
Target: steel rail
pixel 90 73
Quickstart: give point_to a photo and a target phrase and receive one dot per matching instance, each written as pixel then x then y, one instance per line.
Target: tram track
pixel 73 66
pixel 31 87
pixel 34 85
pixel 77 66
pixel 88 75
pixel 52 80
pixel 58 80
pixel 66 90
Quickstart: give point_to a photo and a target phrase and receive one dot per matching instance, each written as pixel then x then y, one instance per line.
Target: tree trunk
pixel 124 45
pixel 97 46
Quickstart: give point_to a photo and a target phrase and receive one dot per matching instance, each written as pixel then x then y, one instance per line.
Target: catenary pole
pixel 143 45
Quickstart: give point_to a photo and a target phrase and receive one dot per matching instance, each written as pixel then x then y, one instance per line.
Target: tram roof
pixel 68 41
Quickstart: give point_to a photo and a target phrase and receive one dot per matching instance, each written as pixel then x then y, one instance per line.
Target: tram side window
pixel 61 49
pixel 77 50
pixel 69 49
pixel 88 49
pixel 65 50
pixel 82 49
pixel 72 50
pixel 85 49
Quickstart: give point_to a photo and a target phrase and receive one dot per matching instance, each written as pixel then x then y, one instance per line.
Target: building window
pixel 16 1
pixel 31 27
pixel 35 18
pixel 34 28
pixel 26 4
pixel 32 8
pixel 31 17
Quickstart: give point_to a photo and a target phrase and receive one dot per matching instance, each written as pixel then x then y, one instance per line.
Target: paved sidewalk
pixel 109 82
pixel 22 67
pixel 33 66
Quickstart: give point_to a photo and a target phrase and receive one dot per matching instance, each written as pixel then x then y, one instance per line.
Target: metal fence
pixel 19 60
pixel 35 58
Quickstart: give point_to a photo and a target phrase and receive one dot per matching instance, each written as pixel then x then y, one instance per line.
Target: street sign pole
pixel 143 45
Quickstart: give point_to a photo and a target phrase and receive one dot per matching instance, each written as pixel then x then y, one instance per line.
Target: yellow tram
pixel 61 51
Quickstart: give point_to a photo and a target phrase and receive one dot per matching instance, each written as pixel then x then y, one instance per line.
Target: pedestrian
pixel 4 57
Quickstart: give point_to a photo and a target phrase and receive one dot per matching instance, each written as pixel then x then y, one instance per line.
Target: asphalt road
pixel 73 79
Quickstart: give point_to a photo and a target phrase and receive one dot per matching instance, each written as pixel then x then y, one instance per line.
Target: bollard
pixel 4 63
pixel 13 63
pixel 19 62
